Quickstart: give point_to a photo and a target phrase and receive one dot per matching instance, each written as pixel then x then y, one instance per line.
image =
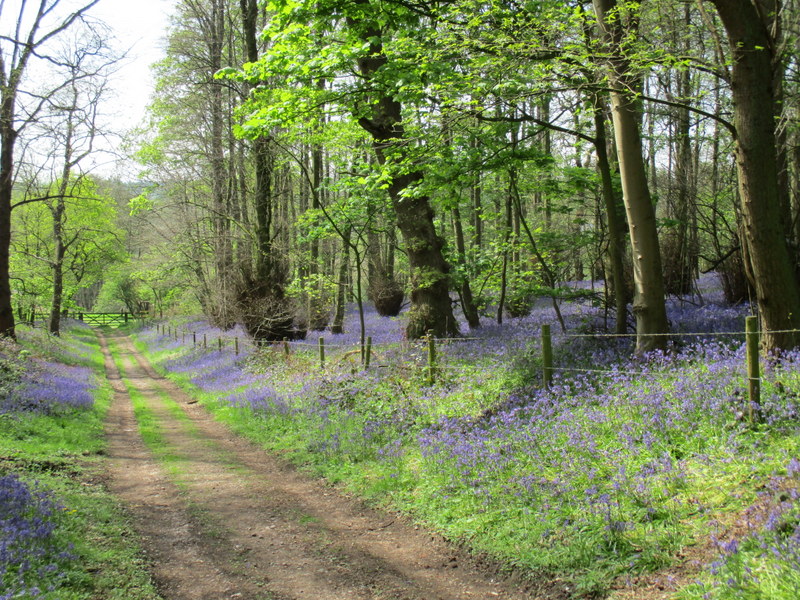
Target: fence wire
pixel 439 365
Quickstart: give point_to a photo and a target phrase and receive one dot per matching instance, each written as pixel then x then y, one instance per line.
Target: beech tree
pixel 354 55
pixel 649 302
pixel 70 126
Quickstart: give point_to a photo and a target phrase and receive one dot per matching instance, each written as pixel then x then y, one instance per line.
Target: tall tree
pixel 70 129
pixel 365 83
pixel 431 309
pixel 754 38
pixel 649 303
pixel 17 48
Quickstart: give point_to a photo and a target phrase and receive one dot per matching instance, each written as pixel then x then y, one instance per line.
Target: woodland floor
pixel 222 519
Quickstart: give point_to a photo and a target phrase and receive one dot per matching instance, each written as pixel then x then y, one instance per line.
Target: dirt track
pixel 222 519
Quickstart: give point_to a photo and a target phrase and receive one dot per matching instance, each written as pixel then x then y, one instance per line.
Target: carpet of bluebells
pixel 603 476
pixel 31 556
pixel 30 384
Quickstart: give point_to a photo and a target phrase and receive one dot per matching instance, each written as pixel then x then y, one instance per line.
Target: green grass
pixel 64 454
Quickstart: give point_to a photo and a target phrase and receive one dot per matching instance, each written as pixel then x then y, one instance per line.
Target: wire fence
pixel 429 357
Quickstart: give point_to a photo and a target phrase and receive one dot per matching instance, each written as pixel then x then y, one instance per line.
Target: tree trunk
pixel 501 303
pixel 465 290
pixel 476 193
pixel 796 188
pixel 679 252
pixel 58 262
pixel 648 304
pixel 262 160
pixel 748 26
pixel 431 309
pixel 614 219
pixel 215 42
pixel 341 293
pixel 8 137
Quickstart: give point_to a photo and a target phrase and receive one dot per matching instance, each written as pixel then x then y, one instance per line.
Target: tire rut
pixel 230 521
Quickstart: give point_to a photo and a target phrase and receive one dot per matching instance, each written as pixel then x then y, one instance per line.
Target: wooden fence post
pixel 286 347
pixel 547 356
pixel 753 369
pixel 431 358
pixel 321 353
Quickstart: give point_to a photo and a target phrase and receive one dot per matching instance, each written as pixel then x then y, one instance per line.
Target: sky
pixel 138 28
pixel 141 26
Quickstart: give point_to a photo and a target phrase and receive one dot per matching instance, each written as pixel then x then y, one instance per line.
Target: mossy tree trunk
pixel 431 309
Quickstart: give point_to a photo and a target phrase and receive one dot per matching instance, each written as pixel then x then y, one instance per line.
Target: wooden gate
pixel 105 319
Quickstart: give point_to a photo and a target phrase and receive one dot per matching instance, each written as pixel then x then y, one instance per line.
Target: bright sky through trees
pixel 138 25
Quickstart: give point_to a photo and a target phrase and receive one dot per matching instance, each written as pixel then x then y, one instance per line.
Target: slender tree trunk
pixel 317 169
pixel 648 304
pixel 681 258
pixel 465 290
pixel 547 149
pixel 58 212
pixel 748 25
pixel 476 193
pixel 59 252
pixel 501 303
pixel 219 178
pixel 614 219
pixel 341 292
pixel 8 137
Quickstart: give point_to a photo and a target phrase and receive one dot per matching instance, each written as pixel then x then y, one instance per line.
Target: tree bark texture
pixel 431 309
pixel 648 303
pixel 748 24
